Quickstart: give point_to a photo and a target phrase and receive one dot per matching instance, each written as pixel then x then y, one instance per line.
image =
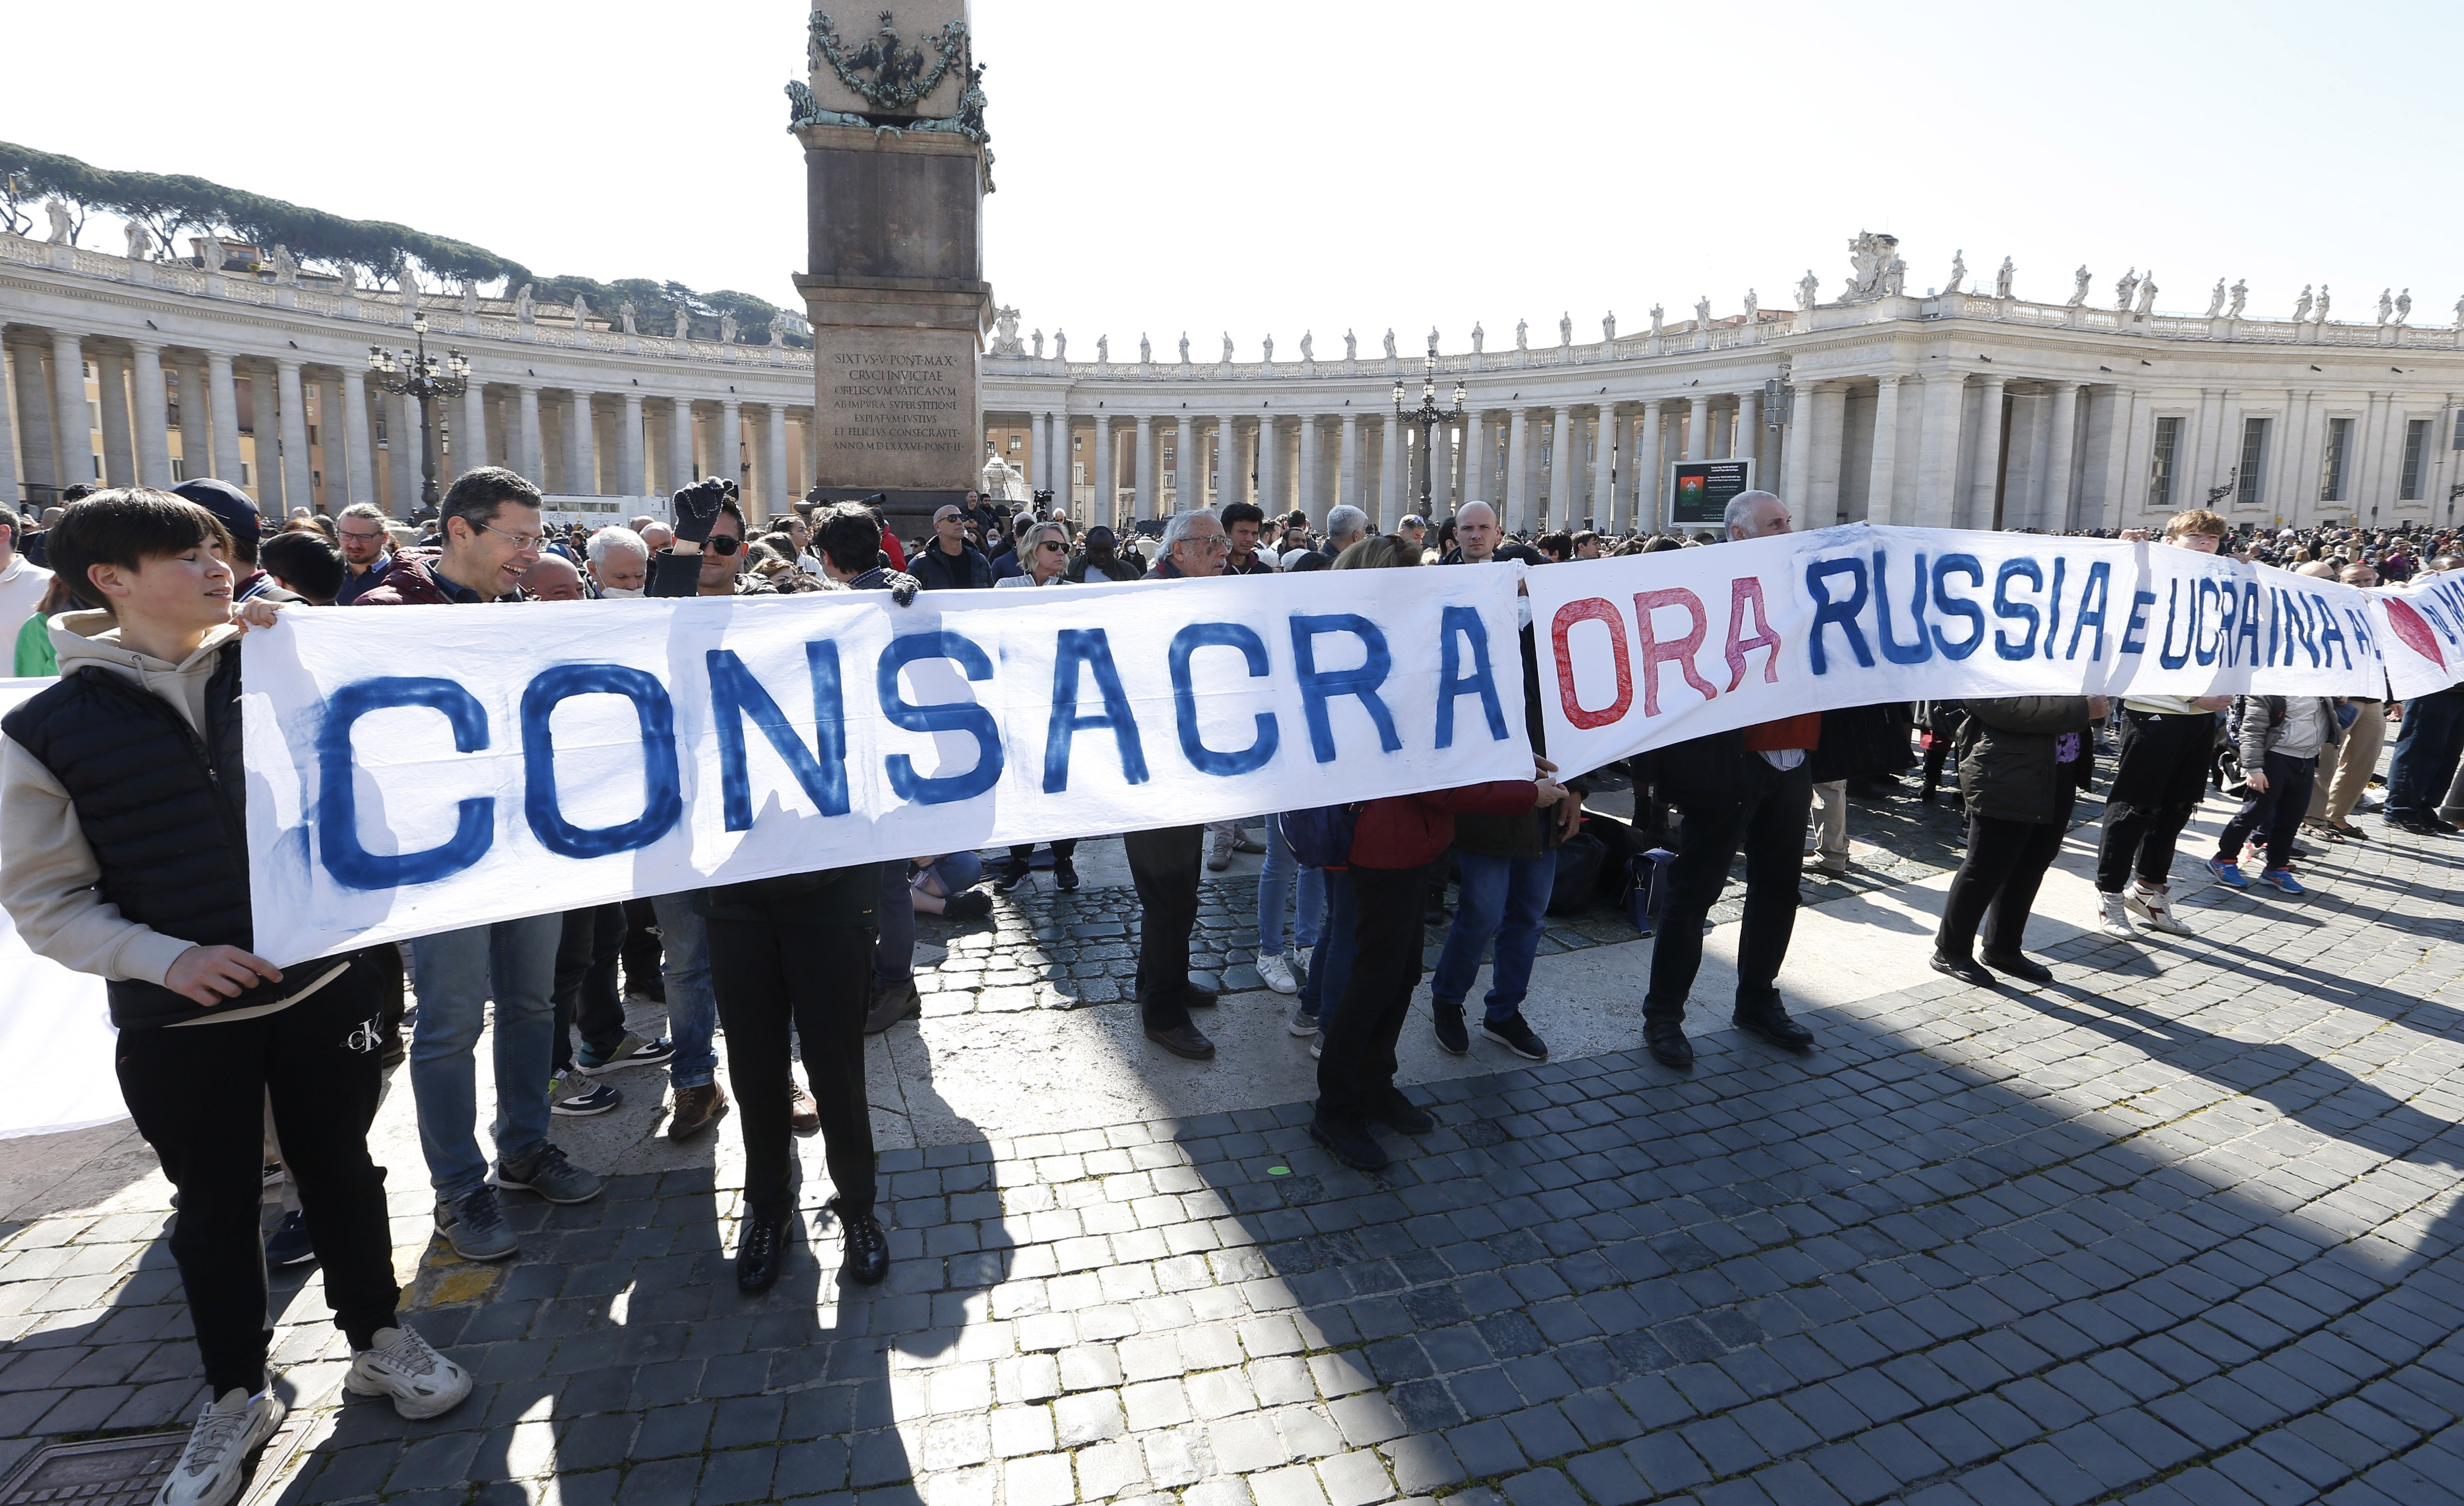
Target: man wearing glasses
pixel 366 559
pixel 489 527
pixel 950 563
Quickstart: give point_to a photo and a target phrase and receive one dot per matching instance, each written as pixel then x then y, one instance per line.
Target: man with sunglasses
pixel 708 549
pixel 489 533
pixel 950 563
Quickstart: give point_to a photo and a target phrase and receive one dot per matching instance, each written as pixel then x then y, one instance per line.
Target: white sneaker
pixel 2155 907
pixel 1278 974
pixel 422 1382
pixel 227 1433
pixel 2112 918
pixel 1304 955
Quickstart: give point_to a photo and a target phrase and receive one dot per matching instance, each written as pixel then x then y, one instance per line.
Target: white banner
pixel 2424 633
pixel 413 770
pixel 1648 649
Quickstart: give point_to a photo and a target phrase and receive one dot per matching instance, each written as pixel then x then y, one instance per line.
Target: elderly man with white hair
pixel 1749 788
pixel 1164 863
pixel 1345 527
pixel 620 563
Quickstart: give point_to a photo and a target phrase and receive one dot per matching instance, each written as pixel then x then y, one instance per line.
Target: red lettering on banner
pixel 1679 651
pixel 1592 609
pixel 1745 591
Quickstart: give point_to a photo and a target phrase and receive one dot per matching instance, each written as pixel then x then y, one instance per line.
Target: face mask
pixel 621 592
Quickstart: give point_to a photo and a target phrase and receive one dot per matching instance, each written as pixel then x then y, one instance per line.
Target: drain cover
pixel 115 1472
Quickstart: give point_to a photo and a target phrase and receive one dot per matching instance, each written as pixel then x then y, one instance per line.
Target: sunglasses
pixel 723 544
pixel 1054 544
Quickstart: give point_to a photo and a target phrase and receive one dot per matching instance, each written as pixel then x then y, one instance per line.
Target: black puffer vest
pixel 163 811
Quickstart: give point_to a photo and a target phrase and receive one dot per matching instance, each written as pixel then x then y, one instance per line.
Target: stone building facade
pixel 1958 408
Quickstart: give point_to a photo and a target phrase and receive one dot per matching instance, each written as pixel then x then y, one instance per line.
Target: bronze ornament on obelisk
pixel 895 169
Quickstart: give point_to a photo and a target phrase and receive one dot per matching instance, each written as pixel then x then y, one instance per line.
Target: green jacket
pixel 35 656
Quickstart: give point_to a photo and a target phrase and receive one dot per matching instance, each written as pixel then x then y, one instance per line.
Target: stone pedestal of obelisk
pixel 895 171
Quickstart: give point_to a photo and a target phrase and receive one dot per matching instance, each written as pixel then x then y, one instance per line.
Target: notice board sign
pixel 1699 490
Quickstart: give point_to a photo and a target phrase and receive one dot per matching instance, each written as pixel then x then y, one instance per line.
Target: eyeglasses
pixel 1215 544
pixel 524 544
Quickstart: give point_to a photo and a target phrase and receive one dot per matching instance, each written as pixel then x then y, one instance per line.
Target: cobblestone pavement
pixel 2179 1227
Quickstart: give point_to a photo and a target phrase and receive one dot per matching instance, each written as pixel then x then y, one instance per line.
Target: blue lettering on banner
pixel 2331 638
pixel 2165 654
pixel 2246 624
pixel 1950 606
pixel 1318 685
pixel 1464 622
pixel 337 807
pixel 2218 649
pixel 964 716
pixel 1843 613
pixel 2010 611
pixel 1917 649
pixel 2100 585
pixel 2298 627
pixel 663 802
pixel 1184 698
pixel 737 696
pixel 2134 627
pixel 2053 605
pixel 2365 643
pixel 1089 649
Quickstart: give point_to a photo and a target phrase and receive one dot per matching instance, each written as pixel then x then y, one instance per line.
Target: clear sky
pixel 1269 167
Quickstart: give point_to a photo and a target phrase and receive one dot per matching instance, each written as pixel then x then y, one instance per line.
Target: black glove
pixel 903 588
pixel 697 508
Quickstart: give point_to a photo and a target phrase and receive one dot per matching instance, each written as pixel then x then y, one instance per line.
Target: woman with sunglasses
pixel 1045 553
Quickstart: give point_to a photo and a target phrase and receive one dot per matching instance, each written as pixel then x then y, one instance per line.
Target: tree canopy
pixel 376 250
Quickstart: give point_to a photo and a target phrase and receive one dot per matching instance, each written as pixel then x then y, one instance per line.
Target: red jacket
pixel 1411 831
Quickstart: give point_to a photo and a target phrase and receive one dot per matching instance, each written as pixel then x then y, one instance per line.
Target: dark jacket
pixel 164 812
pixel 1861 741
pixel 414 582
pixel 1708 772
pixel 1111 567
pixel 939 571
pixel 2009 757
pixel 355 586
pixel 1412 831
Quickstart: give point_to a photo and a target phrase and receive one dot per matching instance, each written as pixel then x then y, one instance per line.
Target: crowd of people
pixel 122 854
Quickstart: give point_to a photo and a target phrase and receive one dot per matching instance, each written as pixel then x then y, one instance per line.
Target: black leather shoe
pixel 1967 969
pixel 2019 967
pixel 1665 1040
pixel 757 1252
pixel 1348 1143
pixel 1197 997
pixel 867 1247
pixel 1183 1039
pixel 1401 1115
pixel 1771 1022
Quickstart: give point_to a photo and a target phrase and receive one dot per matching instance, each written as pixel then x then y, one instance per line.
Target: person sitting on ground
pixel 2022 762
pixel 125 859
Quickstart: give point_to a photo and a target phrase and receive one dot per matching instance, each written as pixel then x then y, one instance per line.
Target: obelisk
pixel 896 170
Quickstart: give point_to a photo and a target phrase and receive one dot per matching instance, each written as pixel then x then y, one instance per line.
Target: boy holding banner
pixel 122 854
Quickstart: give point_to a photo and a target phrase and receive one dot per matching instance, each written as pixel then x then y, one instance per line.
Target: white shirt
pixel 21 590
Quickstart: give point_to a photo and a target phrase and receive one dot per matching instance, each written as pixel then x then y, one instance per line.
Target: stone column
pixel 224 392
pixel 1228 479
pixel 776 499
pixel 1883 504
pixel 730 455
pixel 1188 467
pixel 1697 428
pixel 265 438
pixel 1564 467
pixel 1988 454
pixel 298 490
pixel 1105 507
pixel 682 466
pixel 1649 506
pixel 1440 461
pixel 580 445
pixel 71 415
pixel 470 433
pixel 1826 452
pixel 1604 447
pixel 402 445
pixel 1747 442
pixel 196 414
pixel 1143 488
pixel 111 385
pixel 1308 496
pixel 9 494
pixel 152 417
pixel 1346 469
pixel 1476 483
pixel 1270 462
pixel 2054 516
pixel 1519 489
pixel 631 460
pixel 361 477
pixel 1394 474
pixel 1937 505
pixel 34 419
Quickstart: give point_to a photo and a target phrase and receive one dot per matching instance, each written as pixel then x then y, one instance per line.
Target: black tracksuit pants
pixel 1165 863
pixel 1356 1067
pixel 198 1094
pixel 2005 867
pixel 585 988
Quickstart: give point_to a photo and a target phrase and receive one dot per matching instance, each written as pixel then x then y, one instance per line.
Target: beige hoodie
pixel 47 872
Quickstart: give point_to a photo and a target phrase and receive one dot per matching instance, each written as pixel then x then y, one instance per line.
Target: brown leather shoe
pixel 804 1115
pixel 696 1109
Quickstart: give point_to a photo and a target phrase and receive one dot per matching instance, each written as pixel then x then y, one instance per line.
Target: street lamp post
pixel 422 378
pixel 1428 415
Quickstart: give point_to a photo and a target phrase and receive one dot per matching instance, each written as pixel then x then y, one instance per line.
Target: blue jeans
pixel 693 1008
pixel 1504 898
pixel 2426 751
pixel 458 971
pixel 1331 969
pixel 1309 895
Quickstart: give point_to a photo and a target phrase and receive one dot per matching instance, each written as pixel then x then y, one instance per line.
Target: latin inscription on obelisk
pixel 897 406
